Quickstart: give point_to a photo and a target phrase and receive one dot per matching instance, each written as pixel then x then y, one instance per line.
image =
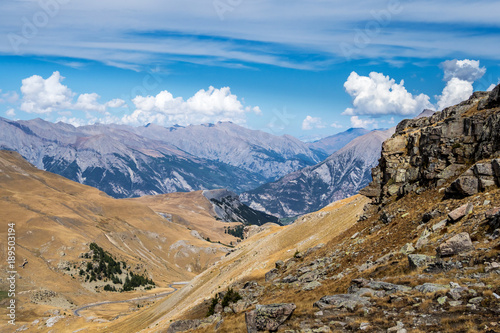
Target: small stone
pixel 407 249
pixel 476 300
pixel 455 303
pixel 455 293
pixel 464 186
pixel 416 261
pixel 399 328
pixel 442 300
pixel 289 279
pixel 311 286
pixel 279 264
pixel 364 326
pixel 439 225
pixel 471 307
pixel 460 212
pixel 483 169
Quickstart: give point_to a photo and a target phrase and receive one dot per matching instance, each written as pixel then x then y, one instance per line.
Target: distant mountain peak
pixel 342 174
pixel 426 113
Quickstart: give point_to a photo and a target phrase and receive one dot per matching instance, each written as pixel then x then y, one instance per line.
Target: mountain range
pixel 126 161
pixel 341 175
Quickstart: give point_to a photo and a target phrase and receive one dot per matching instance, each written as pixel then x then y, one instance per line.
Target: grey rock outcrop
pixel 430 151
pixel 183 325
pixel 416 261
pixel 268 317
pixel 431 288
pixel 493 100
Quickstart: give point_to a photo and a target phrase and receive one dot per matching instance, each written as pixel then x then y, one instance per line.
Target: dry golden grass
pixel 193 210
pixel 257 255
pixel 56 219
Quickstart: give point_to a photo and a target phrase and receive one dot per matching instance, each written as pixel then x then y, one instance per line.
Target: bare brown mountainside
pixel 56 220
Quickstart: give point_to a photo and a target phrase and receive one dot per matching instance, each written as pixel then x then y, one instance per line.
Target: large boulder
pixel 268 317
pixel 455 245
pixel 416 261
pixel 464 186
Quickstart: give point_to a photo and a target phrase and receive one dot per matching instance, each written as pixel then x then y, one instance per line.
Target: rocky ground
pixel 424 256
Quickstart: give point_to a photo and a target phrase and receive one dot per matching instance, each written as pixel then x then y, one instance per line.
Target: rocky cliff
pixel 429 151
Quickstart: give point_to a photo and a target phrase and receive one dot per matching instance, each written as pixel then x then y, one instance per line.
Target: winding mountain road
pixel 76 312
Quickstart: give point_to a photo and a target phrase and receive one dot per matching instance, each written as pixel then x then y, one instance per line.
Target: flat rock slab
pixel 460 212
pixel 342 301
pixel 455 245
pixel 431 288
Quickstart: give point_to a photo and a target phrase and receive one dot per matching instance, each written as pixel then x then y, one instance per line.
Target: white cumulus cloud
pixel 88 102
pixel 378 95
pixel 466 70
pixel 310 123
pixel 357 122
pixel 115 103
pixel 205 106
pixel 456 91
pixel 44 96
pixel 459 76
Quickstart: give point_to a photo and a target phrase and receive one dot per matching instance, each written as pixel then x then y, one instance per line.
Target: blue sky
pixel 305 68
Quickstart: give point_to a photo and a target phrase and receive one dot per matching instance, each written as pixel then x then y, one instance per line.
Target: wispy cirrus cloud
pixel 303 34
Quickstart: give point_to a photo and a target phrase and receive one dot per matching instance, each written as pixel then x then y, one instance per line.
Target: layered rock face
pixel 427 152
